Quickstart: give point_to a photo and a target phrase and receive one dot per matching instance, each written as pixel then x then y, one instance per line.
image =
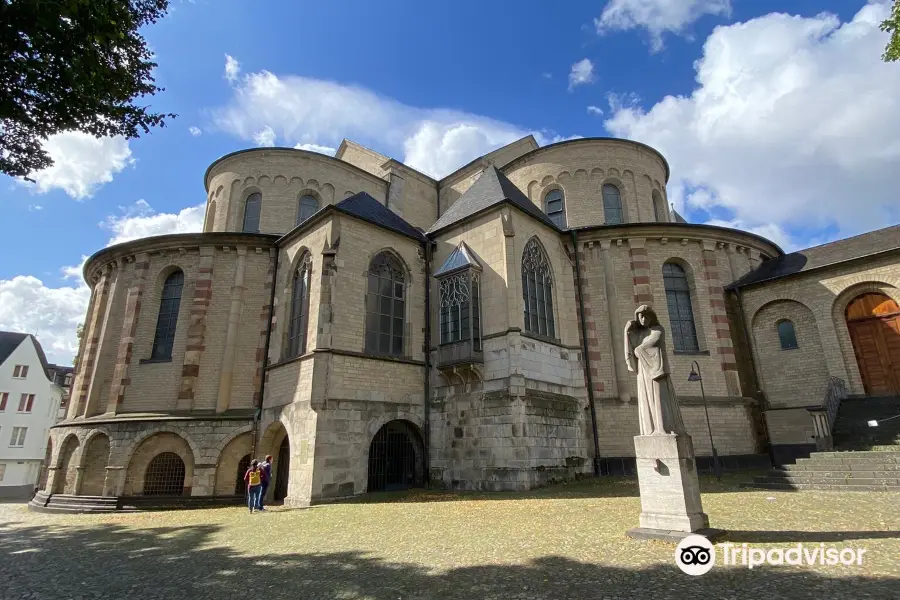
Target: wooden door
pixel 874 324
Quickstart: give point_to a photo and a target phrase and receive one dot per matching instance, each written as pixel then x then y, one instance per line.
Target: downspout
pixel 587 362
pixel 427 424
pixel 257 413
pixel 759 394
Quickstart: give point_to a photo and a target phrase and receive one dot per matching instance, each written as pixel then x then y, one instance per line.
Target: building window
pixel 18 437
pixel 169 304
pixel 299 321
pixel 537 290
pixel 164 475
pixel 2 471
pixel 612 205
pixel 252 209
pixel 307 206
pixel 20 371
pixel 658 212
pixel 4 396
pixel 68 380
pixel 385 306
pixel 554 206
pixel 681 314
pixel 460 315
pixel 786 335
pixel 26 402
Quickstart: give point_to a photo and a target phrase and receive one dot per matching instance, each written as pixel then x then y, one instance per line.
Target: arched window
pixel 164 475
pixel 786 335
pixel 612 205
pixel 658 212
pixel 307 206
pixel 299 322
pixel 210 216
pixel 537 290
pixel 169 303
pixel 554 206
pixel 240 487
pixel 681 315
pixel 385 306
pixel 252 210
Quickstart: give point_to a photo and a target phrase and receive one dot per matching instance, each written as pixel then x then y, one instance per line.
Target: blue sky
pixel 776 116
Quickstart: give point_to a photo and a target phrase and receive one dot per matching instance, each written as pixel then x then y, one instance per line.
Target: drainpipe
pixel 587 362
pixel 257 414
pixel 427 429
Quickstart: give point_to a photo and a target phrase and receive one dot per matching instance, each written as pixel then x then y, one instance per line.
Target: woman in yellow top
pixel 254 478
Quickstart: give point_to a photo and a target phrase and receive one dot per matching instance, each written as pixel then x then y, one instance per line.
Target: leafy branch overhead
pixel 72 65
pixel 892 26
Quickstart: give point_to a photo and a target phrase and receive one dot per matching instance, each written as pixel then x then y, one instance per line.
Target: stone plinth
pixel 670 491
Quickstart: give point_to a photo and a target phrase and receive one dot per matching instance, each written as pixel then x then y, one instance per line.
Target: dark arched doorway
pixel 165 475
pixel 282 471
pixel 240 486
pixel 873 321
pixel 396 460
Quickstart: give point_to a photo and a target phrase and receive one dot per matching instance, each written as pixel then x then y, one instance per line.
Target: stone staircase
pixel 66 503
pixel 866 458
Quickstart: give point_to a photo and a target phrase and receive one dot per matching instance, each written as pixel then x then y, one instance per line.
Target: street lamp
pixel 695 376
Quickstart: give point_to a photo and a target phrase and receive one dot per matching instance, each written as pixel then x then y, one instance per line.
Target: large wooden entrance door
pixel 874 324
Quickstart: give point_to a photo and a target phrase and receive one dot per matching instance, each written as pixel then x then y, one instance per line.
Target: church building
pixel 374 328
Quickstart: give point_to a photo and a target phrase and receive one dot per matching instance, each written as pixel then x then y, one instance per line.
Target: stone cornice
pixel 678 233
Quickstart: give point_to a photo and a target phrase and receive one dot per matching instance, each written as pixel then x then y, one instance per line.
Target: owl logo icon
pixel 695 555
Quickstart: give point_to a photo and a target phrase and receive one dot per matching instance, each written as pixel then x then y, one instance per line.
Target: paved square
pixel 565 541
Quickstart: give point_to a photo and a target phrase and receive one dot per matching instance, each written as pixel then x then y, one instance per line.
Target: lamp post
pixel 695 376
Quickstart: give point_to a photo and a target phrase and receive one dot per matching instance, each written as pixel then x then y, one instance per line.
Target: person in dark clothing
pixel 254 478
pixel 266 467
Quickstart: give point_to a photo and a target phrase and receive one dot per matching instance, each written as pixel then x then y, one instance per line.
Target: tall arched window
pixel 385 306
pixel 164 475
pixel 681 315
pixel 169 303
pixel 554 206
pixel 787 337
pixel 658 213
pixel 306 207
pixel 299 322
pixel 537 290
pixel 252 210
pixel 612 205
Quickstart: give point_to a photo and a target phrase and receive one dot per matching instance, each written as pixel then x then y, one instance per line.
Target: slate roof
pixel 461 257
pixel 824 255
pixel 490 189
pixel 678 217
pixel 367 208
pixel 10 340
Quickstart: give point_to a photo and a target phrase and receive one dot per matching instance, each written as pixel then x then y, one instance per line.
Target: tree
pixel 79 333
pixel 892 26
pixel 72 65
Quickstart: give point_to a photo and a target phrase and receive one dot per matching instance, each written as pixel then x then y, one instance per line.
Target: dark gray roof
pixel 490 189
pixel 461 257
pixel 367 208
pixel 820 256
pixel 678 217
pixel 10 340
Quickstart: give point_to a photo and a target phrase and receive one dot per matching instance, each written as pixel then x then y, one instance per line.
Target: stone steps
pixel 66 503
pixel 790 487
pixel 837 471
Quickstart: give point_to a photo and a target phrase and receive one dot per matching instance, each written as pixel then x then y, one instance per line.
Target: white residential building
pixel 29 405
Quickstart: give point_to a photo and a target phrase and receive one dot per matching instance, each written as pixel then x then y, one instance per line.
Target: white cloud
pixel 82 163
pixel 232 68
pixel 582 72
pixel 547 75
pixel 658 16
pixel 33 207
pixel 317 148
pixel 594 110
pixel 794 123
pixel 195 131
pixel 140 220
pixel 289 110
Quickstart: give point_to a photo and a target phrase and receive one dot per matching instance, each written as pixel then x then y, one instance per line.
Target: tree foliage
pixel 892 26
pixel 72 65
pixel 79 333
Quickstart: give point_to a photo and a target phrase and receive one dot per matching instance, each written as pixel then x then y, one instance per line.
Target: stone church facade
pixel 374 328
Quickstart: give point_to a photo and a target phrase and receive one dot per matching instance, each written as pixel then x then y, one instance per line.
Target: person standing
pixel 266 466
pixel 253 477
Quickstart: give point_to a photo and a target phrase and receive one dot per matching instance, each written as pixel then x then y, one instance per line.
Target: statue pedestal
pixel 670 492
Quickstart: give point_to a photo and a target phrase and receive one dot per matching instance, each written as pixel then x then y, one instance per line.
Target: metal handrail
pixel 837 391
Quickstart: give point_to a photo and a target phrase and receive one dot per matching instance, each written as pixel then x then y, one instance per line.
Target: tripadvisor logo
pixel 695 555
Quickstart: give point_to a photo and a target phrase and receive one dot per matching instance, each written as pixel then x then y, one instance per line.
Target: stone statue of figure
pixel 645 352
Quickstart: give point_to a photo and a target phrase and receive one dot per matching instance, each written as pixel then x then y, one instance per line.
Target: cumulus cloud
pixel 289 110
pixel 794 123
pixel 232 68
pixel 317 148
pixel 657 16
pixel 195 131
pixel 141 220
pixel 582 72
pixel 594 110
pixel 82 163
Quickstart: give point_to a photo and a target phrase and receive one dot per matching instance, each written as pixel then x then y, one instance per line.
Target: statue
pixel 645 352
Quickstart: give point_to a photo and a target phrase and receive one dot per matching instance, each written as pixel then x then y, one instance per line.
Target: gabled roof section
pixel 490 189
pixel 365 207
pixel 866 244
pixel 527 144
pixel 462 257
pixel 678 218
pixel 10 340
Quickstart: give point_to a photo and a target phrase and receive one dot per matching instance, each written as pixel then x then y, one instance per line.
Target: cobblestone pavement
pixel 560 542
